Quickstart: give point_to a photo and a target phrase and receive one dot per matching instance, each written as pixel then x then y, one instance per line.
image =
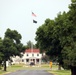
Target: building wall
pixel 28 55
pixel 32 57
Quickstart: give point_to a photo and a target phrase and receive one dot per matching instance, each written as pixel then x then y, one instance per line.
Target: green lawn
pixel 55 71
pixel 23 67
pixel 11 69
pixel 62 72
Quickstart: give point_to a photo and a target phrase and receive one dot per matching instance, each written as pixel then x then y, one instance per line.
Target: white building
pixel 32 55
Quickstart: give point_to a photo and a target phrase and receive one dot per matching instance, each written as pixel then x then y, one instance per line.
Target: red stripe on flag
pixel 33 14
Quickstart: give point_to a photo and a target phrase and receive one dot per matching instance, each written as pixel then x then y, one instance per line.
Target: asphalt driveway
pixel 30 72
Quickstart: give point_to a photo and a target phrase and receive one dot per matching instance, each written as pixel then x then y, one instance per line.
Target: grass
pixel 23 67
pixel 11 69
pixel 43 66
pixel 61 72
pixel 55 71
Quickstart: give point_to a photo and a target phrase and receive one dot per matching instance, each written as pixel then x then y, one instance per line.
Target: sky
pixel 17 15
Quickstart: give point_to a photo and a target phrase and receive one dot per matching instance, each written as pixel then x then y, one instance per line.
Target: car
pixel 32 63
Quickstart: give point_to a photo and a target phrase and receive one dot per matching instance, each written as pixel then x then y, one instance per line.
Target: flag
pixel 34 21
pixel 33 14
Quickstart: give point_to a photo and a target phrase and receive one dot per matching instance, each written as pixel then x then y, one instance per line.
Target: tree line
pixel 58 38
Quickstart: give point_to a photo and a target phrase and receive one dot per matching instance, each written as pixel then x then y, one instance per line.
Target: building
pixel 32 55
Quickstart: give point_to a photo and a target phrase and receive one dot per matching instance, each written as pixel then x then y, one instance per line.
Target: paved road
pixel 30 72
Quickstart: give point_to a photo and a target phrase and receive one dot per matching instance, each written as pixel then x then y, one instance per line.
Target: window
pixel 37 60
pixel 32 54
pixel 27 60
pixel 22 60
pixel 37 54
pixel 27 55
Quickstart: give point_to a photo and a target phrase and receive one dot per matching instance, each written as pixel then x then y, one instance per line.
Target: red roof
pixel 32 50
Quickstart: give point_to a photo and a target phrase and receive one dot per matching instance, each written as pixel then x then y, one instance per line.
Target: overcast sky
pixel 17 15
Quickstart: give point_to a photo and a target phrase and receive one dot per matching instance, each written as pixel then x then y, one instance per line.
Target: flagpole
pixel 31 29
pixel 30 39
pixel 31 47
pixel 33 21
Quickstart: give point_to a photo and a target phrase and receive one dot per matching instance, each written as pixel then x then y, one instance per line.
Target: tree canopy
pixel 10 46
pixel 58 38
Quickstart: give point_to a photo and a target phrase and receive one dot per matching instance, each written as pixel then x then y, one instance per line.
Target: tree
pixel 50 40
pixel 45 58
pixel 12 45
pixel 30 45
pixel 69 50
pixel 1 54
pixel 59 39
pixel 42 35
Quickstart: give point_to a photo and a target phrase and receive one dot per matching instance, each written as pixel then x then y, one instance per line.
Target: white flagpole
pixel 33 21
pixel 31 42
pixel 33 15
pixel 31 47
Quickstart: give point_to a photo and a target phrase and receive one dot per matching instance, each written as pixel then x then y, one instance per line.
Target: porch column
pixel 24 61
pixel 40 62
pixel 29 61
pixel 35 61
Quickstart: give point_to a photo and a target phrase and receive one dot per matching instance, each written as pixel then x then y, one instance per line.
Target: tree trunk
pixel 73 70
pixel 0 67
pixel 4 65
pixel 59 67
